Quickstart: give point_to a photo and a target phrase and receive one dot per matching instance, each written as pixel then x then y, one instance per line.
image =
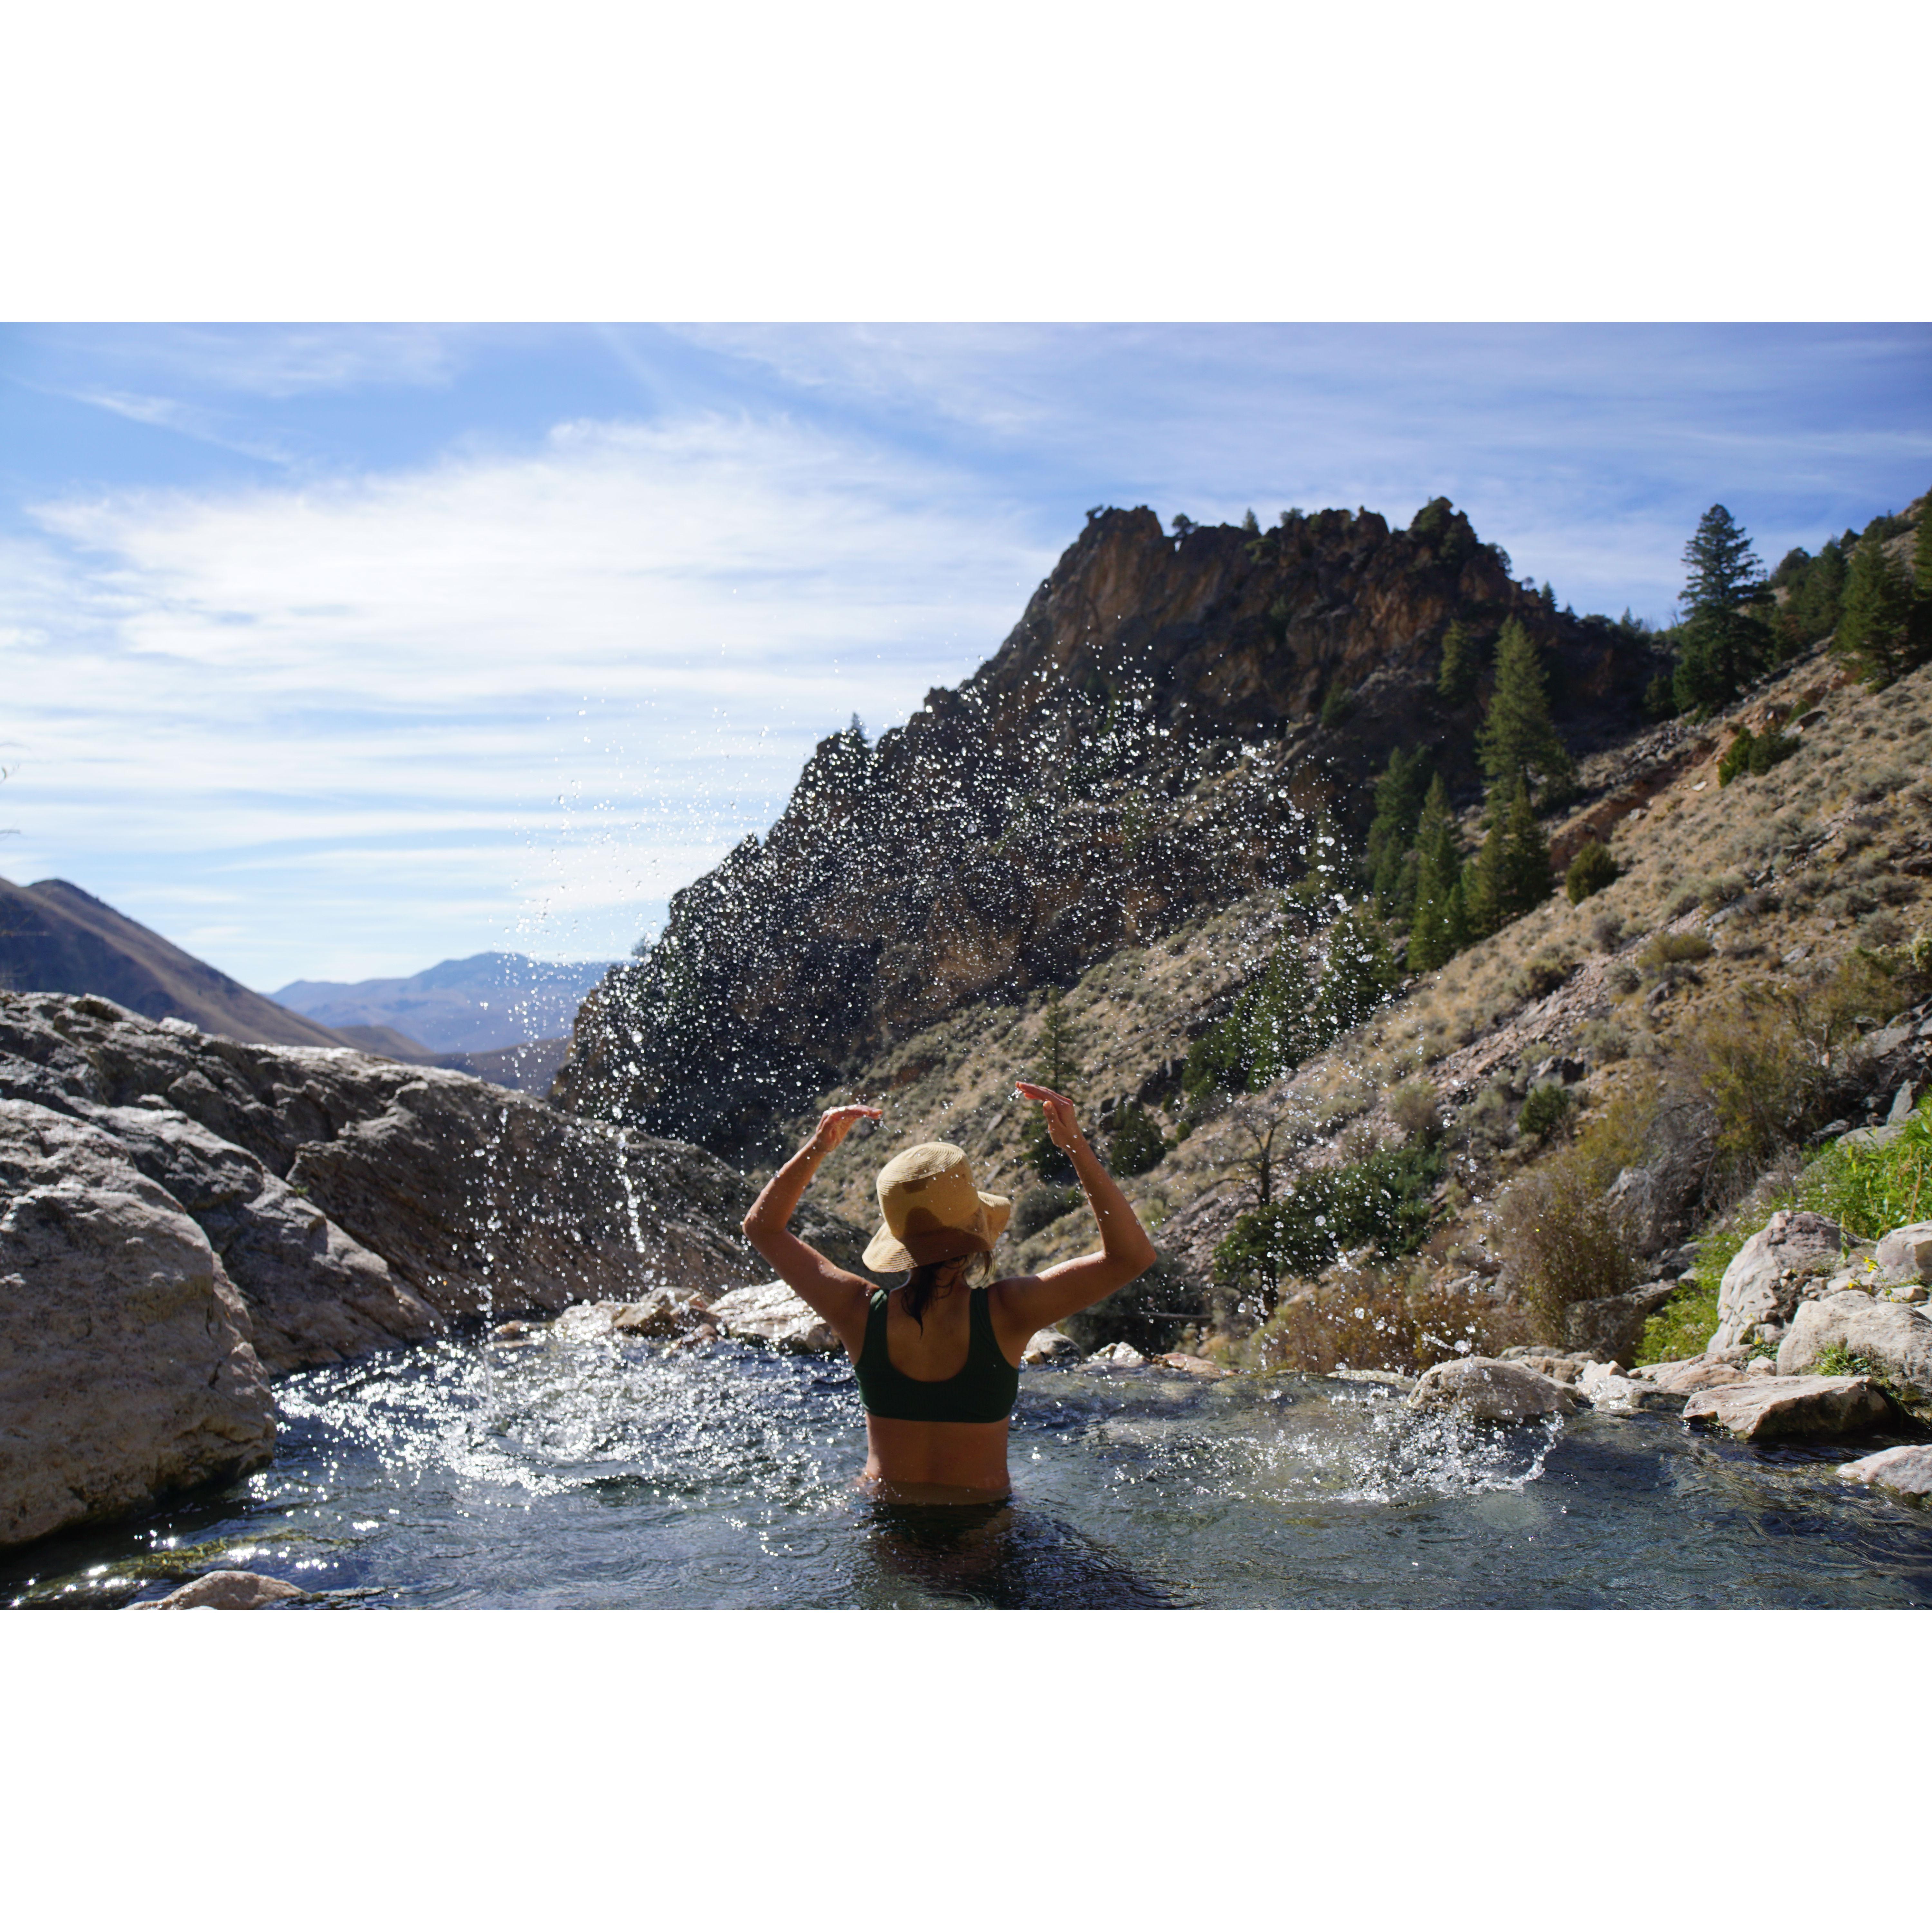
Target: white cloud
pixel 650 624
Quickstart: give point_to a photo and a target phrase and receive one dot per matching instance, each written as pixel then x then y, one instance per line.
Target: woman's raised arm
pixel 1126 1252
pixel 837 1294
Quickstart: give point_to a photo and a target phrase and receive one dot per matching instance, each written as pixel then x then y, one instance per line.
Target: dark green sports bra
pixel 984 1390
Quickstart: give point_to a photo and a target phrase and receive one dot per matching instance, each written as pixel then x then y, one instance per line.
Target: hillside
pixel 55 938
pixel 485 1003
pixel 1174 723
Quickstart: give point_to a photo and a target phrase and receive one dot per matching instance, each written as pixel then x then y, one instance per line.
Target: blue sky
pixel 332 652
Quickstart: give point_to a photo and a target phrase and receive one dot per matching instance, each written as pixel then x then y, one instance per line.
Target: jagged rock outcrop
pixel 1157 736
pixel 126 1369
pixel 1766 1280
pixel 341 1168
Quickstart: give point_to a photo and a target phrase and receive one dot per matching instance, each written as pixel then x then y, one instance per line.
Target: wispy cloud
pixel 609 655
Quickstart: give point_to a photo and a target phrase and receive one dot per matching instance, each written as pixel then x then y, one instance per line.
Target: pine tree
pixel 1462 665
pixel 1390 855
pixel 1361 973
pixel 1277 1025
pixel 1511 874
pixel 1438 931
pixel 1053 1068
pixel 1723 646
pixel 1516 739
pixel 1875 632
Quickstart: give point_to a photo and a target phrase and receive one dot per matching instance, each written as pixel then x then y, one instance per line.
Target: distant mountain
pixel 55 938
pixel 477 1005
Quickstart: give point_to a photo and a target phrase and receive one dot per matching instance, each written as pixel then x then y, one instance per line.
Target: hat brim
pixel 886 1254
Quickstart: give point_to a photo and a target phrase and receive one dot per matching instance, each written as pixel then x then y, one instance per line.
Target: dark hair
pixel 921 1284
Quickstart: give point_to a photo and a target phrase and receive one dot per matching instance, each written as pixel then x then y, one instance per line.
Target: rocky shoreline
pixel 184 1217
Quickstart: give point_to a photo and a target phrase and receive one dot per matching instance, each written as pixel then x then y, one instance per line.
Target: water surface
pixel 607 1474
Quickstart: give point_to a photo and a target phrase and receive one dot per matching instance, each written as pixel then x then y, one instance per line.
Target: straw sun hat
pixel 933 1212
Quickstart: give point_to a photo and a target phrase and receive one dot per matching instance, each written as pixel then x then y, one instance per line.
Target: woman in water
pixel 938 1357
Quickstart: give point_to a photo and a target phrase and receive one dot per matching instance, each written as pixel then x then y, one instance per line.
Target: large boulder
pixel 1767 1408
pixel 315 1294
pixel 1700 1372
pixel 1905 1253
pixel 1049 1346
pixel 1488 1390
pixel 126 1367
pixel 1610 1328
pixel 1905 1472
pixel 770 1313
pixel 1767 1276
pixel 1894 1340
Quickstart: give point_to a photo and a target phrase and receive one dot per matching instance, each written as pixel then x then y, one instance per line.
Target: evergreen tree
pixel 1391 857
pixel 1511 874
pixel 1462 665
pixel 1724 645
pixel 1876 631
pixel 1360 974
pixel 1440 928
pixel 1055 1068
pixel 1249 523
pixel 1516 739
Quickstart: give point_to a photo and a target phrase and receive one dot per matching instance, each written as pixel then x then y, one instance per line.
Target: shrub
pixel 1673 948
pixel 1719 892
pixel 1590 871
pixel 1625 978
pixel 1135 1143
pixel 1870 1190
pixel 1375 1320
pixel 1412 1106
pixel 1681 901
pixel 1605 1041
pixel 1539 977
pixel 1607 931
pixel 1547 1111
pixel 1038 1207
pixel 1560 1244
pixel 1756 754
pixel 1383 1200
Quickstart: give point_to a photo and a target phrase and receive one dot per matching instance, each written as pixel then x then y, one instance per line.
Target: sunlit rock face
pixel 356 1202
pixel 1171 724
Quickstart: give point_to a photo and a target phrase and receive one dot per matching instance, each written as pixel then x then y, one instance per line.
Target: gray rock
pixel 314 1294
pixel 770 1313
pixel 1905 1253
pixel 1901 1106
pixel 1896 1339
pixel 1764 1281
pixel 226 1590
pixel 1906 1472
pixel 478 1199
pixel 1767 1407
pixel 126 1369
pixel 1610 1328
pixel 1604 1390
pixel 1700 1371
pixel 1049 1346
pixel 1491 1391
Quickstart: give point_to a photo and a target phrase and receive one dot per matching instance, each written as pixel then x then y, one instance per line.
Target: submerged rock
pixel 1905 1472
pixel 126 1366
pixel 1492 1391
pixel 1765 1279
pixel 1604 1388
pixel 1763 1408
pixel 226 1590
pixel 770 1313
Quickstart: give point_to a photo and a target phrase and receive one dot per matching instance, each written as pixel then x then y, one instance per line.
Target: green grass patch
pixel 1682 1326
pixel 1869 1191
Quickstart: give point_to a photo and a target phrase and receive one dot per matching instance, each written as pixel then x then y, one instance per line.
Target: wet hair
pixel 923 1283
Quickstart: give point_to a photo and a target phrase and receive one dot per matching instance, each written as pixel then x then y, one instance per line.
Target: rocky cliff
pixel 1172 723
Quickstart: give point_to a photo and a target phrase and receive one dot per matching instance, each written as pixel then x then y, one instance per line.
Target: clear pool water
pixel 611 1475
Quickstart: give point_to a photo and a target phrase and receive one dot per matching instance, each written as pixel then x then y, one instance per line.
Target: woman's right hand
pixel 1061 1127
pixel 836 1123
